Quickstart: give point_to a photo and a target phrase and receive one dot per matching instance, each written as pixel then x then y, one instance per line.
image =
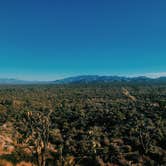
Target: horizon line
pixel 148 75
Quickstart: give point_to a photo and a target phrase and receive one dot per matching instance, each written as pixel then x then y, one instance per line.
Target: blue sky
pixel 51 39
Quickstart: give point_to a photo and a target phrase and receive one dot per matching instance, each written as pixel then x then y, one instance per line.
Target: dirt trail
pixel 127 94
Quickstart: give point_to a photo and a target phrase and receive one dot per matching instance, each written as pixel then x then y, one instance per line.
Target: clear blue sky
pixel 50 39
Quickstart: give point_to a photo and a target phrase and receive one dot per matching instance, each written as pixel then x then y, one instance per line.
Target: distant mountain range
pixel 88 79
pixel 109 79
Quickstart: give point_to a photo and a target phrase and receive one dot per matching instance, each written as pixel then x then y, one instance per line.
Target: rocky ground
pixel 7 146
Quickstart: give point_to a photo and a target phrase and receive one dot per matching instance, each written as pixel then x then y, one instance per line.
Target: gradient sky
pixel 51 39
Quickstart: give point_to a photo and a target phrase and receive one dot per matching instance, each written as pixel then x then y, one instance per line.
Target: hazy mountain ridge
pixel 12 81
pixel 88 79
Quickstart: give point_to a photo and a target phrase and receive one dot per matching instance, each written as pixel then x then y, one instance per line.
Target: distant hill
pixel 85 79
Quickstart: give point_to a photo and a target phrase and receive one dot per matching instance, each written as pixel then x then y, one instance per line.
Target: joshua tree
pixel 34 129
